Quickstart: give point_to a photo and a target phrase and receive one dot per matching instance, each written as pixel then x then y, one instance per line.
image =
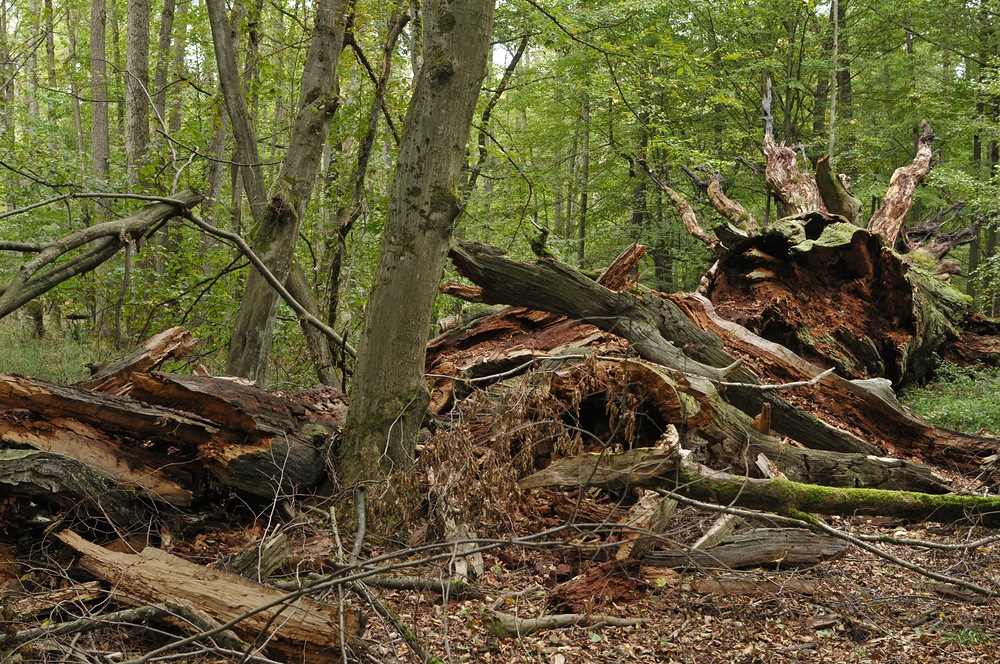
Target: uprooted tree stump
pixel 819 284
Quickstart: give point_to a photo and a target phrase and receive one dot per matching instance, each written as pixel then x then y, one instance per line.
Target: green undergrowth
pixel 965 399
pixel 58 356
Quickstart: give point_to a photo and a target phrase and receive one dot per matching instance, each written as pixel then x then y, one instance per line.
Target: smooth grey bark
pixel 100 146
pixel 277 216
pixel 162 60
pixel 136 93
pixel 389 397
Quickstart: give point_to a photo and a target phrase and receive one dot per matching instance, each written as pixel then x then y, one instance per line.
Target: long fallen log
pixel 71 484
pixel 663 333
pixel 763 547
pixel 670 470
pixel 173 428
pixel 300 630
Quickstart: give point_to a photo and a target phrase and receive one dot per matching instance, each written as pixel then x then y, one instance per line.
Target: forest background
pixel 573 93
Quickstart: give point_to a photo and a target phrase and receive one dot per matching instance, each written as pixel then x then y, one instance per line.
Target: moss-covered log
pixel 670 470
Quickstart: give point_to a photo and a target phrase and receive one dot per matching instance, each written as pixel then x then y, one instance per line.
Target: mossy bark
pixel 389 395
pixel 670 470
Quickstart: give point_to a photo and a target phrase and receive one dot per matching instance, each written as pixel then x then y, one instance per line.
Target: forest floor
pixel 855 609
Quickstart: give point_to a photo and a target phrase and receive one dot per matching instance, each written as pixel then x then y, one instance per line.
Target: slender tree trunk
pixel 833 76
pixel 350 212
pixel 278 216
pixel 72 27
pixel 163 61
pixel 584 183
pixel 136 93
pixel 390 396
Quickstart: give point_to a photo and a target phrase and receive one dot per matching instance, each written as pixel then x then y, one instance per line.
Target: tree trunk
pixel 136 92
pixel 163 61
pixel 390 396
pixel 278 223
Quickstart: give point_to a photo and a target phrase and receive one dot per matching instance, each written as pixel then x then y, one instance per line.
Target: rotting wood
pixel 299 630
pixel 763 547
pixel 71 484
pixel 506 626
pixel 879 415
pixel 159 476
pixel 888 220
pixel 796 189
pixel 175 342
pixel 834 192
pixel 670 470
pixel 657 329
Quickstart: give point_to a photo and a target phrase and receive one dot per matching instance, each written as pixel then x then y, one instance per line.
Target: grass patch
pixel 57 356
pixel 965 399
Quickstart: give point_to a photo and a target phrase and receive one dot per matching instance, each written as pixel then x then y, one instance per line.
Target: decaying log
pixel 160 476
pixel 695 406
pixel 647 519
pixel 670 470
pixel 257 442
pixel 66 481
pixel 298 630
pixel 888 219
pixel 763 547
pixel 656 328
pixel 875 411
pixel 506 626
pixel 112 378
pixel 509 340
pixel 266 442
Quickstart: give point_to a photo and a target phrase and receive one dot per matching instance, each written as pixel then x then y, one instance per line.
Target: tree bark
pixel 671 470
pixel 136 89
pixel 302 630
pixel 390 395
pixel 888 220
pixel 278 224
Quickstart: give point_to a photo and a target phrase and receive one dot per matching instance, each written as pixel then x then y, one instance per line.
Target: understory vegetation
pixel 966 399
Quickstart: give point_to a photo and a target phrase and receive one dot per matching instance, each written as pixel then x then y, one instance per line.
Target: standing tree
pixel 390 393
pixel 277 216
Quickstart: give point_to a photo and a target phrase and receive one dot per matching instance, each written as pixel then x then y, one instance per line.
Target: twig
pixel 388 614
pixel 784 386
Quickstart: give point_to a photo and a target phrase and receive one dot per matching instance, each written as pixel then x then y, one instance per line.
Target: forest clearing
pixel 499 331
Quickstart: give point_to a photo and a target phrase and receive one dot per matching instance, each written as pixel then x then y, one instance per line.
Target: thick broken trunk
pixel 173 435
pixel 295 629
pixel 657 329
pixel 836 295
